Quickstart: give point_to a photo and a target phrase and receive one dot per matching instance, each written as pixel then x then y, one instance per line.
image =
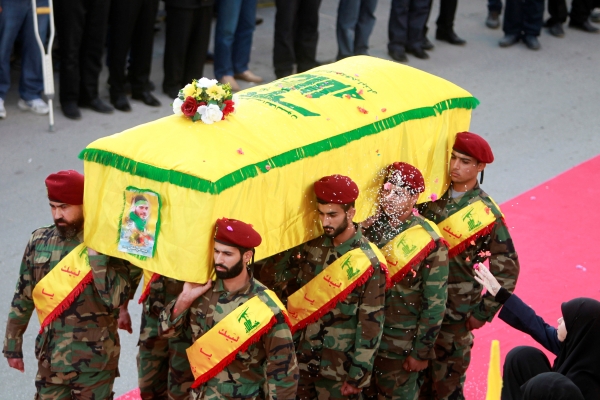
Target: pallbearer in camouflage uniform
pixel 474 227
pixel 417 259
pixel 243 346
pixel 163 367
pixel 75 292
pixel 335 291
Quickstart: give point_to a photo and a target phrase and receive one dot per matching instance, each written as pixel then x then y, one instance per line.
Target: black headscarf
pixel 551 386
pixel 579 358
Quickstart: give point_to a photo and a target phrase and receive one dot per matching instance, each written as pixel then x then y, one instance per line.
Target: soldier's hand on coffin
pixel 191 291
pixel 16 363
pixel 124 321
pixel 413 365
pixel 487 279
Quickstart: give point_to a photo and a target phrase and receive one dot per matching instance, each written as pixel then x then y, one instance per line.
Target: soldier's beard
pixel 68 229
pixel 230 273
pixel 336 231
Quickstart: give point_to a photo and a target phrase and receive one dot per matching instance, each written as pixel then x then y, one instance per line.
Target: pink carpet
pixel 553 227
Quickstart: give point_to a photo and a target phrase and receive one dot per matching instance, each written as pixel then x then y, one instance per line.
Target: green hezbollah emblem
pixel 313 86
pixel 350 271
pixel 248 324
pixel 470 221
pixel 406 249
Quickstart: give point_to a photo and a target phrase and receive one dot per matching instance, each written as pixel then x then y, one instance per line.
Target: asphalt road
pixel 538 110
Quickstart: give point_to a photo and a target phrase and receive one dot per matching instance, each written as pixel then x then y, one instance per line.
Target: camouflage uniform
pixel 340 347
pixel 163 368
pixel 446 377
pixel 78 353
pixel 414 309
pixel 267 369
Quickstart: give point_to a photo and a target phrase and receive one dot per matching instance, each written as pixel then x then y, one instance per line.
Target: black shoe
pixel 493 20
pixel 98 106
pixel 531 42
pixel 450 37
pixel 147 98
pixel 557 30
pixel 70 110
pixel 595 17
pixel 418 52
pixel 508 40
pixel 585 26
pixel 398 55
pixel 427 45
pixel 120 102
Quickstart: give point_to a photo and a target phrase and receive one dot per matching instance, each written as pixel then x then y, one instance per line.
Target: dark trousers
pixel 81 30
pixel 496 5
pixel 406 27
pixel 131 31
pixel 296 36
pixel 522 363
pixel 581 10
pixel 523 17
pixel 186 44
pixel 445 21
pixel 558 12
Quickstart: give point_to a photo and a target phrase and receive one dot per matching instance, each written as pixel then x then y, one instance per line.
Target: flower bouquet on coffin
pixel 206 100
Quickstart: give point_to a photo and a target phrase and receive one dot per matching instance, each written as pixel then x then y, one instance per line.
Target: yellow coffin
pixel 353 117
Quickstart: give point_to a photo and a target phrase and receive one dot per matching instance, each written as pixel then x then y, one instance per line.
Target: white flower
pixel 209 114
pixel 235 98
pixel 177 103
pixel 206 83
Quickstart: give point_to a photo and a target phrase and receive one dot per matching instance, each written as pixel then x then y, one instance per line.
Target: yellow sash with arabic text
pixel 408 249
pixel 56 291
pixel 333 284
pixel 217 348
pixel 466 225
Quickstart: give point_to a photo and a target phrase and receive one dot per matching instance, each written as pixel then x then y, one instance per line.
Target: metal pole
pixel 47 69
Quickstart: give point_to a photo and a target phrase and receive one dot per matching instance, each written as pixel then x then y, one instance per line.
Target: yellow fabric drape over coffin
pixel 352 117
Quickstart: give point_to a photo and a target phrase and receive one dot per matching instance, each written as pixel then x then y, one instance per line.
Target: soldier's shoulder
pixel 365 243
pixel 430 227
pixel 316 242
pixel 43 233
pixel 259 286
pixel 489 201
pixel 268 297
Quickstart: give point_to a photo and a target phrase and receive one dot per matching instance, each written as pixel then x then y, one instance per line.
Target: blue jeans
pixel 236 20
pixel 16 21
pixel 355 21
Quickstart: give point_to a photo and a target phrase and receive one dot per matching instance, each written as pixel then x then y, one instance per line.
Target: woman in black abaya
pixel 576 343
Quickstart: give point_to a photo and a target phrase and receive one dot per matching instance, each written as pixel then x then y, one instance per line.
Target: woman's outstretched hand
pixel 485 277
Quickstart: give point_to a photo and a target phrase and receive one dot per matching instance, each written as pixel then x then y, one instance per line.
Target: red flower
pixel 189 107
pixel 228 109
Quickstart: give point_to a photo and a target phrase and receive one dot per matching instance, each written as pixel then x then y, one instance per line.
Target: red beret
pixel 403 174
pixel 474 146
pixel 65 187
pixel 237 233
pixel 337 189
